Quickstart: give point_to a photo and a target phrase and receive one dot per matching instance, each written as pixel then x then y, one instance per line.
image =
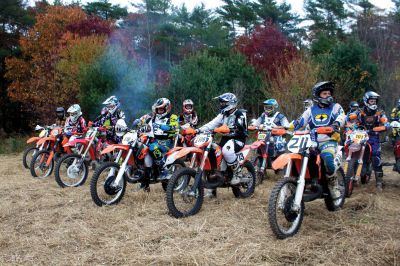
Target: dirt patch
pixel 41 223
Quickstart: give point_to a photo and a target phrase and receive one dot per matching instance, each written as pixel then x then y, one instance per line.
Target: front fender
pixel 77 141
pixel 33 139
pixel 115 147
pixel 284 159
pixel 257 144
pixel 43 140
pixel 181 153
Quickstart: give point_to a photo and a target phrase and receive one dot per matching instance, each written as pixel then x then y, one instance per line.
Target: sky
pixel 297 5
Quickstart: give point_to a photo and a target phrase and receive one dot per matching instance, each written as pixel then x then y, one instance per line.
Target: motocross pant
pixel 328 153
pixel 229 150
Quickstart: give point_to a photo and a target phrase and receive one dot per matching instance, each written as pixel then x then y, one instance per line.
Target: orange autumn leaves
pixel 51 57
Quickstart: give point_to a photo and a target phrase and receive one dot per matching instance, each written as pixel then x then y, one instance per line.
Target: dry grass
pixel 41 223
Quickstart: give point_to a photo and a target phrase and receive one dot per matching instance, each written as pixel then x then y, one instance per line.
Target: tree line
pixel 58 54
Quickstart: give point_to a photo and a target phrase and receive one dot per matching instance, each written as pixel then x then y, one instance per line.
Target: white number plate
pixel 299 143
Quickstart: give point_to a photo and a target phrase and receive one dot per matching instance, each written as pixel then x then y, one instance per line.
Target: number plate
pixel 261 136
pixel 359 136
pixel 299 143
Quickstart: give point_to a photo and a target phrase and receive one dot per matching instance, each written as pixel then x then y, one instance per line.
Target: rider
pixel 189 115
pixel 395 115
pixel 75 121
pixel 271 117
pixel 371 116
pixel 109 116
pixel 234 141
pixel 325 113
pixel 164 125
pixel 60 113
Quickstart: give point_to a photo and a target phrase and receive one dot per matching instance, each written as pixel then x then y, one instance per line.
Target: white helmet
pixel 161 107
pixel 227 102
pixel 185 109
pixel 368 96
pixel 120 127
pixel 74 112
pixel 112 104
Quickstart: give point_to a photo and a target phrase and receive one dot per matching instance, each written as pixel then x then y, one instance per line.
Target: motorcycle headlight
pixel 42 133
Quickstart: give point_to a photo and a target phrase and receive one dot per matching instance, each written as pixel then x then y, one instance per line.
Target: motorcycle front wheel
pixel 39 167
pixel 70 171
pixel 182 198
pixel 284 222
pixel 102 187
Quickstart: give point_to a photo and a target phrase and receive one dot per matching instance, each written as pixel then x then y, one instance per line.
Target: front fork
pixel 300 185
pixel 200 170
pixel 121 172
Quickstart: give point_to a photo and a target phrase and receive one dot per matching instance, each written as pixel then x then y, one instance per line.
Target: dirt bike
pixel 265 138
pixel 304 180
pixel 42 164
pixel 358 165
pixel 109 181
pixel 395 125
pixel 208 169
pixel 72 168
pixel 32 150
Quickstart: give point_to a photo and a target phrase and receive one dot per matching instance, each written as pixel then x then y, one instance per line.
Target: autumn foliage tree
pixel 267 49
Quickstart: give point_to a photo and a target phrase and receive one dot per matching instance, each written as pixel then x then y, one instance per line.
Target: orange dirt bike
pixel 358 165
pixel 265 138
pixel 42 164
pixel 208 169
pixel 32 150
pixel 108 183
pixel 72 168
pixel 305 180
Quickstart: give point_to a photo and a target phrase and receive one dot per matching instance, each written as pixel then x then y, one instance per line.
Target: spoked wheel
pixel 71 171
pixel 283 221
pixel 349 178
pixel 182 199
pixel 178 164
pixel 28 155
pixel 260 176
pixel 39 167
pixel 246 188
pixel 336 204
pixel 102 187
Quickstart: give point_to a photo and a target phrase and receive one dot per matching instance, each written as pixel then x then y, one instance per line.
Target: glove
pixel 336 126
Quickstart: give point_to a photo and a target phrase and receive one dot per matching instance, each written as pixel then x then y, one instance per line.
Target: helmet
pixel 320 87
pixel 227 102
pixel 354 106
pixel 368 96
pixel 60 112
pixel 307 103
pixel 74 112
pixel 162 104
pixel 270 106
pixel 189 109
pixel 120 127
pixel 112 104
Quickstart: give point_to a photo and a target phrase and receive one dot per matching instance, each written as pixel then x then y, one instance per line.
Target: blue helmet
pixel 270 106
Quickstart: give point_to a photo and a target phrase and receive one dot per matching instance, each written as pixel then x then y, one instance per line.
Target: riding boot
pixel 145 182
pixel 378 177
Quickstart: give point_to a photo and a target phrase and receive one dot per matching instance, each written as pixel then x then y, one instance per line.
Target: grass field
pixel 41 223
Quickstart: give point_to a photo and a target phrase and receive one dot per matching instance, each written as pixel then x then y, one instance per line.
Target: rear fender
pixel 73 143
pixel 244 154
pixel 33 139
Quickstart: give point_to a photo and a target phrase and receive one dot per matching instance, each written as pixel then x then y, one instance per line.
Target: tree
pixel 105 10
pixel 328 16
pixel 351 68
pixel 267 49
pixel 203 76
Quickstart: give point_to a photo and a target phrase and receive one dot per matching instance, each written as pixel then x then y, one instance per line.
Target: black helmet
pixel 354 106
pixel 320 87
pixel 60 112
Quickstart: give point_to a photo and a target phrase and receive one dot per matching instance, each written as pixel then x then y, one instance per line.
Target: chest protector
pixel 187 118
pixel 271 121
pixel 321 117
pixel 370 121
